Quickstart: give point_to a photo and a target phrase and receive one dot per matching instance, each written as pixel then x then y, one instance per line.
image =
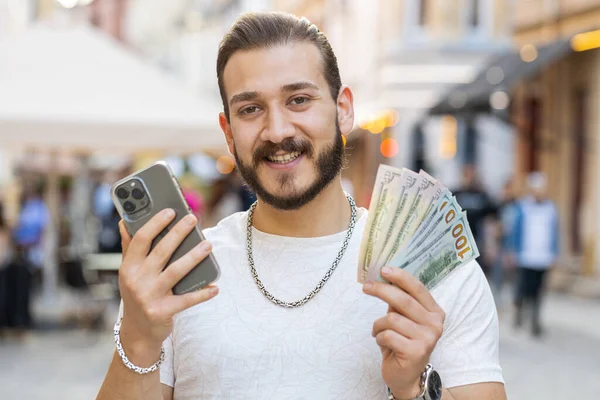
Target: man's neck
pixel 326 214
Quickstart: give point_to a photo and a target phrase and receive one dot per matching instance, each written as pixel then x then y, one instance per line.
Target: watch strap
pixel 424 381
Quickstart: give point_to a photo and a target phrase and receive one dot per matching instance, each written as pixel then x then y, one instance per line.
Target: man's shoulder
pixel 459 288
pixel 233 225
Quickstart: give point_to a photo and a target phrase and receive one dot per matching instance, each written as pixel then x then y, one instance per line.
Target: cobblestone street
pixel 563 365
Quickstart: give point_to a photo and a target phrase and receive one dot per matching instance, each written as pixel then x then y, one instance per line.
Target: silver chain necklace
pixel 321 283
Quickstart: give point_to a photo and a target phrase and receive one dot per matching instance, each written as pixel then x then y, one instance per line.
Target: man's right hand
pixel 148 302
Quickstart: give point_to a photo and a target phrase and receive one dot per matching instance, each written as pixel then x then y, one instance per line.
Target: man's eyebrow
pixel 292 87
pixel 244 96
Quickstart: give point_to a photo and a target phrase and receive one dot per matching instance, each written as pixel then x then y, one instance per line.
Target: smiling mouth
pixel 285 158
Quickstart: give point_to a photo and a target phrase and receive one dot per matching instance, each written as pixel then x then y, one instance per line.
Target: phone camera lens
pixel 137 194
pixel 129 206
pixel 122 193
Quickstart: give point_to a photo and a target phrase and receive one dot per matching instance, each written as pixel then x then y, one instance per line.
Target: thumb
pixel 125 238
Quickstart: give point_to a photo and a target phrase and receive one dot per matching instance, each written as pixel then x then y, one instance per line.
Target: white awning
pixel 76 88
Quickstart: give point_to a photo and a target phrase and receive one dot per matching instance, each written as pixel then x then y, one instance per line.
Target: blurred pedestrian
pixel 246 195
pixel 193 197
pixel 103 204
pixel 535 242
pixel 473 198
pixel 5 258
pixel 15 285
pixel 109 240
pixel 195 201
pixel 504 260
pixel 29 232
pixel 108 217
pixel 225 200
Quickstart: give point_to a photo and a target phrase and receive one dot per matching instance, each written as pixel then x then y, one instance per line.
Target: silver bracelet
pixel 129 364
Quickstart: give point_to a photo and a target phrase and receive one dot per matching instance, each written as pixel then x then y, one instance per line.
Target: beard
pixel 328 165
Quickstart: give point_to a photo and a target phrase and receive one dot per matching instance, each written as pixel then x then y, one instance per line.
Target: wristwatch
pixel 431 386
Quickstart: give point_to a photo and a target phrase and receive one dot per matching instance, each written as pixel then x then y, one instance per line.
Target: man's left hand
pixel 409 331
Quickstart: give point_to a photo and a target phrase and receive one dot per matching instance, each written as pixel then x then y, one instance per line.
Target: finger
pixel 410 285
pixel 400 301
pixel 394 341
pixel 162 252
pixel 180 268
pixel 177 303
pixel 125 237
pixel 397 323
pixel 142 240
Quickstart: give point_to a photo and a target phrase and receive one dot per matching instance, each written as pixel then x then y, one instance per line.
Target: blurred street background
pixel 492 97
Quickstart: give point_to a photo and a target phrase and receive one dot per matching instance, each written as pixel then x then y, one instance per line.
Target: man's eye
pixel 249 110
pixel 300 100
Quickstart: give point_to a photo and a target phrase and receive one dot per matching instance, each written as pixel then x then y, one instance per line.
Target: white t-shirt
pixel 239 345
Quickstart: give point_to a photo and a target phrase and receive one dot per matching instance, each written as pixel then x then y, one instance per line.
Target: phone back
pixel 160 190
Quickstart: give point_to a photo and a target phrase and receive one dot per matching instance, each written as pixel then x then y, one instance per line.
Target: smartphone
pixel 142 195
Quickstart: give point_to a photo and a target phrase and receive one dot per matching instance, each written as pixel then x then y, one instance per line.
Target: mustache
pixel 289 145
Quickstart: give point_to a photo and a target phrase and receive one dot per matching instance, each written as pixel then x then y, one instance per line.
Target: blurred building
pixel 429 47
pixel 78 99
pixel 402 58
pixel 399 57
pixel 556 113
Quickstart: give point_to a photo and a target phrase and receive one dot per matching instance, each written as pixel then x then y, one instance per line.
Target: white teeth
pixel 285 158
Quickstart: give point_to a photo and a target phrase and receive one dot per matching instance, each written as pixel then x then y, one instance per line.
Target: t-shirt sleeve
pixel 167 373
pixel 467 352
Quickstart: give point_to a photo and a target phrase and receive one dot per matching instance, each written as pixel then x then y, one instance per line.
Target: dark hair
pixel 259 30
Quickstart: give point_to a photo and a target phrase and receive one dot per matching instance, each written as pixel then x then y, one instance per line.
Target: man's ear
pixel 226 128
pixel 345 110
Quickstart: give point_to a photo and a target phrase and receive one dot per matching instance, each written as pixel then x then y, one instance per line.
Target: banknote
pixel 428 193
pixel 448 210
pixel 437 233
pixel 452 247
pixel 386 182
pixel 403 209
pixel 416 224
pixel 431 219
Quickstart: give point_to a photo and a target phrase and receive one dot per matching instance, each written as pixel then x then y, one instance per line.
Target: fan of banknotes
pixel 415 224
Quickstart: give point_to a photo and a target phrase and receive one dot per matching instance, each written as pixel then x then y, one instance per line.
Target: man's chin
pixel 284 200
pixel 282 195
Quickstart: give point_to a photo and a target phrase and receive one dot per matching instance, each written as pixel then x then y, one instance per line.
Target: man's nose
pixel 278 126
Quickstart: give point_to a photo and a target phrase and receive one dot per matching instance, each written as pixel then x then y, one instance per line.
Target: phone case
pixel 164 191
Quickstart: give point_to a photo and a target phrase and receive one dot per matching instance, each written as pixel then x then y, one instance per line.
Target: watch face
pixel 434 387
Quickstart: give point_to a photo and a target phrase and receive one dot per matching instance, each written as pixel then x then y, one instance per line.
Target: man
pixel 504 260
pixel 33 221
pixel 478 205
pixel 535 242
pixel 279 328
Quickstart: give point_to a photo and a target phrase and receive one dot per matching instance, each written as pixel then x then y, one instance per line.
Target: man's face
pixel 283 128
